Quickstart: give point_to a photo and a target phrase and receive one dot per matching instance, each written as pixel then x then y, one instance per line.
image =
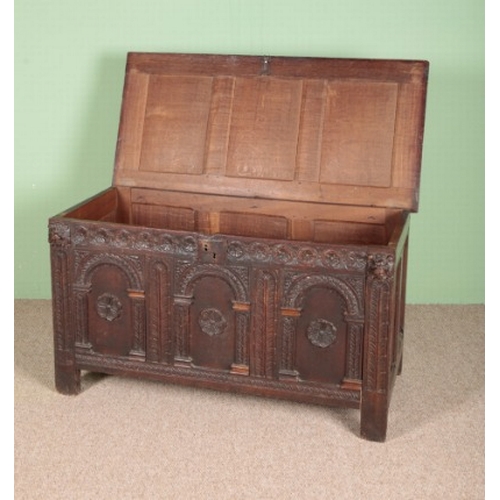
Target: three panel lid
pixel 345 131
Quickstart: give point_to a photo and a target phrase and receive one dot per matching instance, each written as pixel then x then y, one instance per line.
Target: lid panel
pixel 324 130
pixel 175 124
pixel 358 130
pixel 264 128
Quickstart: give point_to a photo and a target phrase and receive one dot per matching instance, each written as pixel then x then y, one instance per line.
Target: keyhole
pixel 205 248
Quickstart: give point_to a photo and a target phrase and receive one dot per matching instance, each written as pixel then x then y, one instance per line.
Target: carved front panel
pixel 212 324
pixel 321 336
pixel 110 312
pixel 321 327
pixel 212 316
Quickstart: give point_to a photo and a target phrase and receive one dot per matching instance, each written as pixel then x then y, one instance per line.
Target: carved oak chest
pixel 255 236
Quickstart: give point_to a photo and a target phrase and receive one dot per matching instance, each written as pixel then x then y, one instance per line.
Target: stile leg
pixel 374 415
pixel 67 379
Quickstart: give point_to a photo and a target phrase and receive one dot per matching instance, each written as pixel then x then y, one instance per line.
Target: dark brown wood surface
pixel 255 238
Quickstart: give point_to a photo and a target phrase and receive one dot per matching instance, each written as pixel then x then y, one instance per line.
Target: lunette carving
pixel 87 262
pixel 302 282
pixel 187 276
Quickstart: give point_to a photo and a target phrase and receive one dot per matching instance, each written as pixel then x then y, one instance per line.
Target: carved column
pixel 159 344
pixel 138 322
pixel 289 332
pixel 66 375
pixel 240 366
pixel 378 332
pixel 264 325
pixel 182 306
pixel 354 350
pixel 80 293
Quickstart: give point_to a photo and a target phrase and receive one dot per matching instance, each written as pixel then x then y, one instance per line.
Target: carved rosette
pixel 109 307
pixel 322 333
pixel 212 321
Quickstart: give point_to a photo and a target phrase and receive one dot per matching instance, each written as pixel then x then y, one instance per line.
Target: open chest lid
pixel 345 131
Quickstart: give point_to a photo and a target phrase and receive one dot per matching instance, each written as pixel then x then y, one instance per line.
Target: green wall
pixel 69 66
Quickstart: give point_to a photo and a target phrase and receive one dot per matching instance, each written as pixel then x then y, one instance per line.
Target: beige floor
pixel 130 439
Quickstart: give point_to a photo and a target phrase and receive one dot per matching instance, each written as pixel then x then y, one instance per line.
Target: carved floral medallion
pixel 212 321
pixel 109 307
pixel 321 333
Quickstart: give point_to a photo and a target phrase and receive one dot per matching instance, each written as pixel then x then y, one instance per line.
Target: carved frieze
pixel 297 254
pixel 132 238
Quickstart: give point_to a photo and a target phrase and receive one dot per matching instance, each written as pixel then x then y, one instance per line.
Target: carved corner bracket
pixel 381 266
pixel 59 234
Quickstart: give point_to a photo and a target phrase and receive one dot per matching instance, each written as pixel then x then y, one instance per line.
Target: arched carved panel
pixel 323 341
pixel 110 312
pixel 300 285
pixel 88 262
pixel 212 309
pixel 212 323
pixel 187 278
